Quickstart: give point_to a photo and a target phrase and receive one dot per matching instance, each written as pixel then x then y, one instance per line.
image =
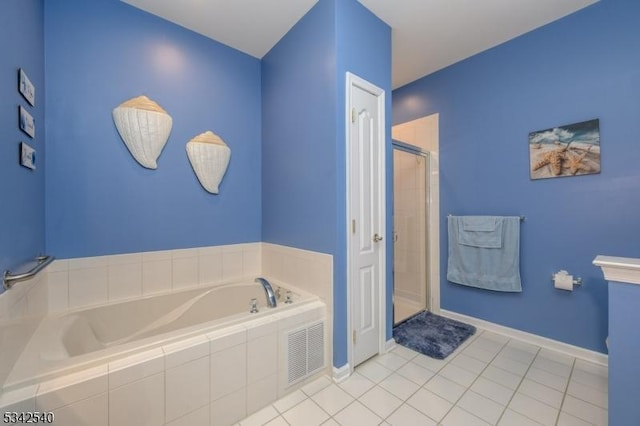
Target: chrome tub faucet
pixel 271 296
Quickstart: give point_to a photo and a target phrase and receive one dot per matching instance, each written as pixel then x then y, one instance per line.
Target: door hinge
pixel 353 226
pixel 354 115
pixel 354 337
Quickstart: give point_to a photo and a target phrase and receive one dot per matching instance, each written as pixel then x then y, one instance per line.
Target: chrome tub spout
pixel 271 295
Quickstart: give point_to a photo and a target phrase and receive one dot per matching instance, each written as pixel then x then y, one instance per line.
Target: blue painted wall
pixel 22 213
pixel 99 200
pixel 364 49
pixel 300 154
pixel 582 67
pixel 303 92
pixel 299 130
pixel 624 370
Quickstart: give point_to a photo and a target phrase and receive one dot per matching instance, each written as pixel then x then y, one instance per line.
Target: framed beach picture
pixel 26 88
pixel 27 124
pixel 569 150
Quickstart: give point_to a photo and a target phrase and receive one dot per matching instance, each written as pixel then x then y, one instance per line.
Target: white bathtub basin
pixel 80 339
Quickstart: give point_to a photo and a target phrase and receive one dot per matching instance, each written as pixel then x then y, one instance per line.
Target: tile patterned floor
pixel 490 380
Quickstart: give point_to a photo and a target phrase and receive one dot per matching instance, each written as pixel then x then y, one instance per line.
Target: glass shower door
pixel 410 231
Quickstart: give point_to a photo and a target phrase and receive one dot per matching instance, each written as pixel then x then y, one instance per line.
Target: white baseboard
pixel 341 374
pixel 544 342
pixel 389 345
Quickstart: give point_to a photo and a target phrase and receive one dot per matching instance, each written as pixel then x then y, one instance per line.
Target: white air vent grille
pixel 315 347
pixel 297 355
pixel 305 351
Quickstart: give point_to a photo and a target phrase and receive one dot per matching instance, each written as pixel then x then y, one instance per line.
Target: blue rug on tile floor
pixel 431 334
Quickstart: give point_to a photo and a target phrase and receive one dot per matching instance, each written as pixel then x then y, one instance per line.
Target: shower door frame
pixel 426 156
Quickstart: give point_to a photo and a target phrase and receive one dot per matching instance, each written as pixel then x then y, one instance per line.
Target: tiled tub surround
pixel 311 271
pixel 21 310
pixel 246 369
pixel 308 270
pixel 75 283
pixel 64 343
pixel 217 377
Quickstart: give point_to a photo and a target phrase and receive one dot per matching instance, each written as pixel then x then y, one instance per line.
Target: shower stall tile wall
pixel 424 133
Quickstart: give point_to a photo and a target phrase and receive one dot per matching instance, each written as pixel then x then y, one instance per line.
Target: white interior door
pixel 366 212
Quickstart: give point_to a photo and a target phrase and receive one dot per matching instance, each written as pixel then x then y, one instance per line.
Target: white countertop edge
pixel 619 269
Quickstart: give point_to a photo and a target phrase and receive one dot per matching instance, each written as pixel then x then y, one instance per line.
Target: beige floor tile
pixel 406 415
pixel 380 401
pixel 357 414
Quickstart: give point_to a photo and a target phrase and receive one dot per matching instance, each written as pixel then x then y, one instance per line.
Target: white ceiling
pixel 428 35
pixel 251 26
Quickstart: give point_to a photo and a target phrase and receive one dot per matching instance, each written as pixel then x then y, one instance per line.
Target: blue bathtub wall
pixel 22 220
pixel 304 182
pixel 99 200
pixel 299 122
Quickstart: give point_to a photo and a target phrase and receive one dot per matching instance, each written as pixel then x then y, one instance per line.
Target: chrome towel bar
pixel 9 279
pixel 522 218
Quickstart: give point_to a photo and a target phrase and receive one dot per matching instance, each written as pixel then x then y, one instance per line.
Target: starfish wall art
pixel 565 151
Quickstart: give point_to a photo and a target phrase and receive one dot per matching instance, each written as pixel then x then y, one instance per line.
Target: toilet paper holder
pixel 576 280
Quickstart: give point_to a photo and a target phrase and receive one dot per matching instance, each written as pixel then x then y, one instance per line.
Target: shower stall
pixel 410 210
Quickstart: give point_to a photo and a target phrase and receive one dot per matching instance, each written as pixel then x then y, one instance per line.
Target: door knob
pixel 377 238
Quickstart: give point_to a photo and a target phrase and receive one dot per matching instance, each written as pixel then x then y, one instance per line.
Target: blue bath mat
pixel 432 335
